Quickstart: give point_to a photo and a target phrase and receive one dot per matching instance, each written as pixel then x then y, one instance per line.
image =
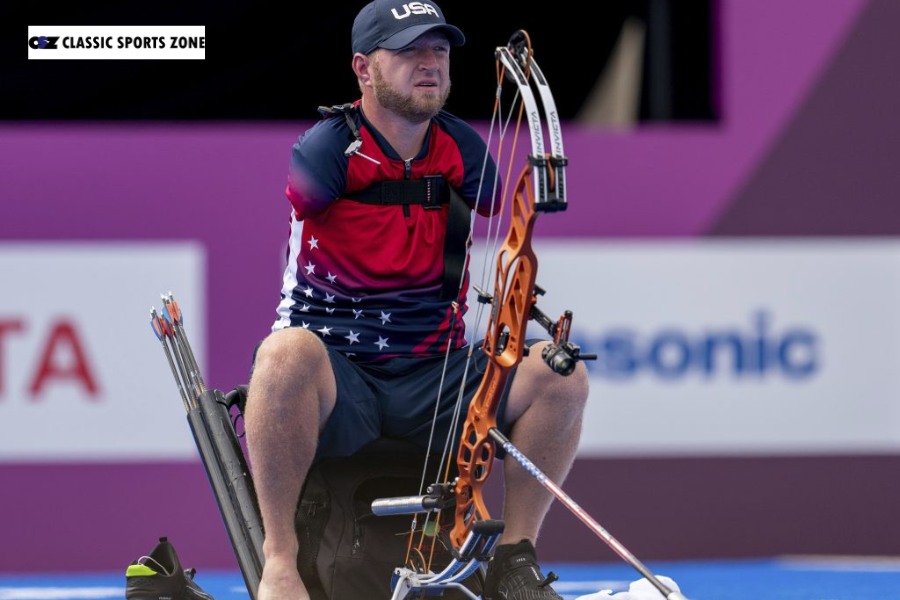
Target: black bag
pixel 346 552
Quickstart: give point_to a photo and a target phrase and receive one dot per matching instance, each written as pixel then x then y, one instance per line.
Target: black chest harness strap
pixel 431 192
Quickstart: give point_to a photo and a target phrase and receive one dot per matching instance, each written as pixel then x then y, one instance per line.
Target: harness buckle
pixel 434 191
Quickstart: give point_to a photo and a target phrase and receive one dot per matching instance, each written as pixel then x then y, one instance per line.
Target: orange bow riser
pixel 505 347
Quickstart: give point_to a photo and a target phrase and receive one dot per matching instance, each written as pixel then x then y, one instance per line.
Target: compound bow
pixel 541 187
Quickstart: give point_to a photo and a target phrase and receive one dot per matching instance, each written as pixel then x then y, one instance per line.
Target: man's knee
pixel 294 350
pixel 567 393
pixel 577 384
pixel 292 364
pixel 536 383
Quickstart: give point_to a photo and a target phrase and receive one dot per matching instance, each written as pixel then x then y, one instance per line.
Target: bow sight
pixel 561 355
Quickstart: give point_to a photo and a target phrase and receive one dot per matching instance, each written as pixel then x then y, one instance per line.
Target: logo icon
pixel 415 8
pixel 43 42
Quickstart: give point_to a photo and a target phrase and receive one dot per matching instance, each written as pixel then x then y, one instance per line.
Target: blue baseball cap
pixel 393 24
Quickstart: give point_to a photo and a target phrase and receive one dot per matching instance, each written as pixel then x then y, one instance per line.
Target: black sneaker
pixel 513 574
pixel 159 576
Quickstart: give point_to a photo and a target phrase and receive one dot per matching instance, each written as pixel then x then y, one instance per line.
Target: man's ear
pixel 362 66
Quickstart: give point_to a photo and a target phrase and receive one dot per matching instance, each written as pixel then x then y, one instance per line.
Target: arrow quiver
pixel 220 451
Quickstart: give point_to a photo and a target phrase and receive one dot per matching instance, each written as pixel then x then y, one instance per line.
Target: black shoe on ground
pixel 513 574
pixel 159 576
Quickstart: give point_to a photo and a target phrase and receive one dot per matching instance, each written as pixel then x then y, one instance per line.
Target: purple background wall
pixel 804 145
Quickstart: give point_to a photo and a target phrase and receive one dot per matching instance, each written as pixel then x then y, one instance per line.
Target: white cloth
pixel 641 589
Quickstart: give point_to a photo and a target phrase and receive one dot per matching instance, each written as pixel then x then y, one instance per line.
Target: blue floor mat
pixel 774 579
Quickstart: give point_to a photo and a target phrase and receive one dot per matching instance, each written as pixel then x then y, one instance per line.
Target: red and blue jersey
pixel 367 278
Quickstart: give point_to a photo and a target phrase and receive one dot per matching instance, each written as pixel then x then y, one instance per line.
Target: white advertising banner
pixel 717 347
pixel 82 376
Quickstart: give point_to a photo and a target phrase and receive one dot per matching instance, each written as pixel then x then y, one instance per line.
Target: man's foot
pixel 513 574
pixel 160 575
pixel 281 581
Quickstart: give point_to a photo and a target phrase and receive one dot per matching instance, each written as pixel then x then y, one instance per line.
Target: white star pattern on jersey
pixel 324 289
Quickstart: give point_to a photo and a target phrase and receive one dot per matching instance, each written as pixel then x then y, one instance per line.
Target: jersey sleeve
pixel 475 189
pixel 318 170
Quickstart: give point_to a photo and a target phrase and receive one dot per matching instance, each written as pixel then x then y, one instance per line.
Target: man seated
pixel 358 350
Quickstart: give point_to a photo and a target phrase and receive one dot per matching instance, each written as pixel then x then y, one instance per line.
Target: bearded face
pixel 413 82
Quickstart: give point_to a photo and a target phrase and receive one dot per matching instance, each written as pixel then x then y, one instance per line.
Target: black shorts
pixel 397 399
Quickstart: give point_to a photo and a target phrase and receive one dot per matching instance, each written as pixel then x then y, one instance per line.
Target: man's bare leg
pixel 547 409
pixel 292 394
